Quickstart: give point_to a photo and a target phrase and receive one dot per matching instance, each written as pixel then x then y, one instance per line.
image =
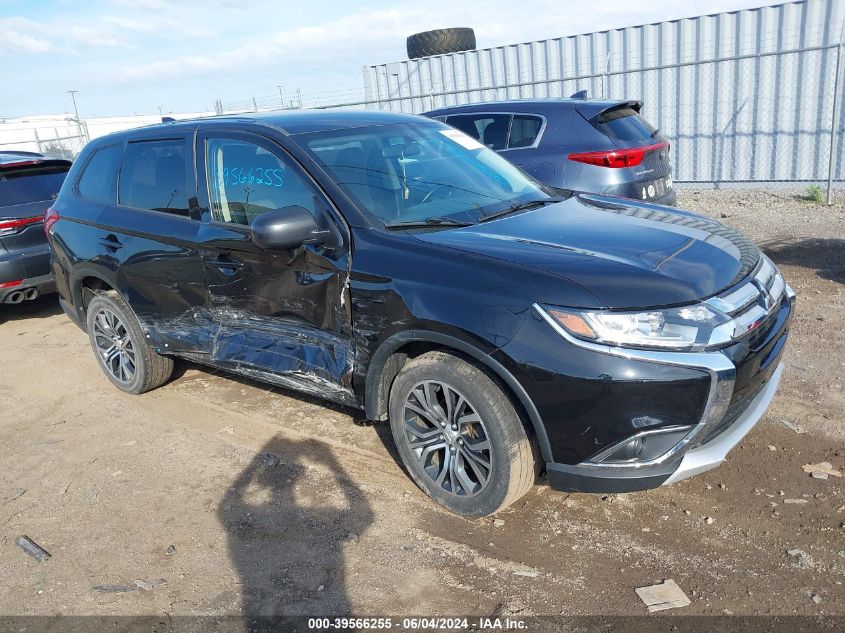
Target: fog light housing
pixel 643 448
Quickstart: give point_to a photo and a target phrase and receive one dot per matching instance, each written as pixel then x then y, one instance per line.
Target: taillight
pixel 630 157
pixel 8 227
pixel 51 216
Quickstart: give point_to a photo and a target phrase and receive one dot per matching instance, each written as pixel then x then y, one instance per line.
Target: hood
pixel 630 255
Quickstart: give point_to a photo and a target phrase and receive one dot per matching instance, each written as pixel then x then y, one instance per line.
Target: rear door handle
pixel 111 242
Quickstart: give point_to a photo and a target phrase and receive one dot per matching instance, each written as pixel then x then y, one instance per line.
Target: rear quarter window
pixel 624 124
pixel 98 181
pixel 524 130
pixel 490 129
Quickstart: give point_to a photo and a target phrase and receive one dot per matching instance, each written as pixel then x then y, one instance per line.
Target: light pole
pixel 281 98
pixel 76 114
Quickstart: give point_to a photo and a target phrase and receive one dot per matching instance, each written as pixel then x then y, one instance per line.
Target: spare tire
pixel 440 41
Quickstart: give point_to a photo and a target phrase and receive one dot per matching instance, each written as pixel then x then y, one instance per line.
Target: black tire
pixel 475 394
pixel 151 370
pixel 440 42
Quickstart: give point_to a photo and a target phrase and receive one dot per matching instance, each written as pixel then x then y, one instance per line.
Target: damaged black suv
pixel 392 263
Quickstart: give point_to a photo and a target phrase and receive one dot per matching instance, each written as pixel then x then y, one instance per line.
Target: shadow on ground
pixel 42 307
pixel 288 518
pixel 825 256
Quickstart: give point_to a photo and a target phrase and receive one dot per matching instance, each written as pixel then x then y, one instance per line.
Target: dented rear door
pixel 280 315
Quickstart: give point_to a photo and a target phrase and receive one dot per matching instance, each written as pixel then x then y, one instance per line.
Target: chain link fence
pixel 63 138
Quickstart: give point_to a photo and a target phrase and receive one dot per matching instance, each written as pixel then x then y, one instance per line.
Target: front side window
pixel 153 176
pixel 490 129
pixel 99 180
pixel 411 172
pixel 246 180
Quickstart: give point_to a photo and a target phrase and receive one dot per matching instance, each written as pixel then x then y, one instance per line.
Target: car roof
pixel 587 107
pixel 289 122
pixel 17 158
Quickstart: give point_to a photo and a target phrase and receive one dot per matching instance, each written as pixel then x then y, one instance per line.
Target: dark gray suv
pixel 590 145
pixel 29 183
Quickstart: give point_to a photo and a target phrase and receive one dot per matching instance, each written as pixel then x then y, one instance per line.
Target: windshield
pixel 420 172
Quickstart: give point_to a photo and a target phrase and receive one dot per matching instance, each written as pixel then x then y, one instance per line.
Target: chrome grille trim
pixel 750 305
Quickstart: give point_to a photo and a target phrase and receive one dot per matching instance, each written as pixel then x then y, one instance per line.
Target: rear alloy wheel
pixel 459 435
pixel 115 347
pixel 121 347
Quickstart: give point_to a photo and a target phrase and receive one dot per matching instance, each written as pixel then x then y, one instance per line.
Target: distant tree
pixel 57 149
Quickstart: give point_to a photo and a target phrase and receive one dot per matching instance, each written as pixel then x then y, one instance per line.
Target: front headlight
pixel 685 328
pixel 715 322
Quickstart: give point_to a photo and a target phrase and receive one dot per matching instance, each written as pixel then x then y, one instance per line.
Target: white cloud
pixel 130 24
pixel 17 36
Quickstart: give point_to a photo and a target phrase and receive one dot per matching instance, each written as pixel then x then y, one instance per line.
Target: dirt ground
pixel 107 483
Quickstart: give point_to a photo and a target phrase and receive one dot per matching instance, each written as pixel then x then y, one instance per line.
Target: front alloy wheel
pixel 448 438
pixel 459 435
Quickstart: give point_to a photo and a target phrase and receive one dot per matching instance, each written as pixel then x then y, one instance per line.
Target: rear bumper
pixel 31 268
pixel 27 289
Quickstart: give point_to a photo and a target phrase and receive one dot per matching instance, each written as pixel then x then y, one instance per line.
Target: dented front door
pixel 280 315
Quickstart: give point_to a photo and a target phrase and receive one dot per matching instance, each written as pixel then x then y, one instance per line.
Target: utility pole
pixel 76 113
pixel 299 96
pixel 281 98
pixel 160 112
pixel 834 117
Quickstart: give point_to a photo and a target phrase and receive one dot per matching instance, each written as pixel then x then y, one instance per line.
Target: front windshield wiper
pixel 412 224
pixel 520 206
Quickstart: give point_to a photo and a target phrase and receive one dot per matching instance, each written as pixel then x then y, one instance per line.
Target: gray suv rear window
pixel 624 124
pixel 31 184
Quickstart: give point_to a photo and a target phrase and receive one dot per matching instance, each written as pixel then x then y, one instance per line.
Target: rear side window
pixel 490 129
pixel 524 130
pixel 624 124
pixel 98 181
pixel 31 184
pixel 154 176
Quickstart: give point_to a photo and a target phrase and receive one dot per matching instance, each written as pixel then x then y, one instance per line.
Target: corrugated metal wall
pixel 744 96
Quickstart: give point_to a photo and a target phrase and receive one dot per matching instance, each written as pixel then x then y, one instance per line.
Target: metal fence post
pixel 834 117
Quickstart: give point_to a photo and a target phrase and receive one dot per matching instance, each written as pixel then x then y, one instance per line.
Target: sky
pixel 136 56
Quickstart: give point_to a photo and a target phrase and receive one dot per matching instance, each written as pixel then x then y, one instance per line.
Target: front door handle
pixel 225 264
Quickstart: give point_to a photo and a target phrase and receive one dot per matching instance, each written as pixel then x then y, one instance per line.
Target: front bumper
pixel 709 455
pixel 743 380
pixel 713 453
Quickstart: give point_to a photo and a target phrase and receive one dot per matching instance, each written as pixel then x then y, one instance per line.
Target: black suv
pixel 29 183
pixel 392 263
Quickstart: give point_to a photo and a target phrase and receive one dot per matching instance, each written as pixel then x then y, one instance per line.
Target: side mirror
pixel 287 227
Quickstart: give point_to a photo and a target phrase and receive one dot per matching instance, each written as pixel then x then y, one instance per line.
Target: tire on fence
pixel 440 41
